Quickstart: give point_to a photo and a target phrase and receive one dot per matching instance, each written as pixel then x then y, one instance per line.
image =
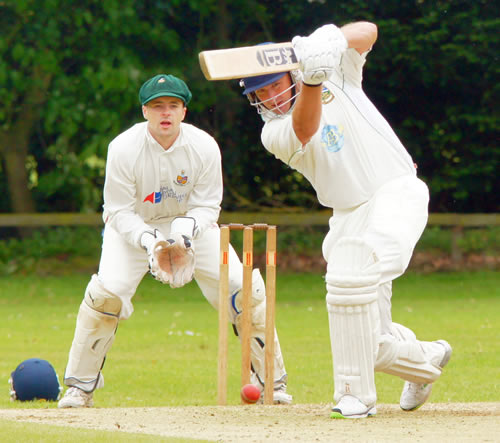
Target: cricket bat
pixel 248 61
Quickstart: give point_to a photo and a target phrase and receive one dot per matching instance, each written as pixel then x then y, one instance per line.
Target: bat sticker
pixel 276 57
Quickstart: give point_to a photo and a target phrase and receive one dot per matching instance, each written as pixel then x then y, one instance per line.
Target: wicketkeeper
pixel 319 121
pixel 162 199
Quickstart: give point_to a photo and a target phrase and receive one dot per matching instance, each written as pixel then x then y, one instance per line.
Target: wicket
pixel 246 322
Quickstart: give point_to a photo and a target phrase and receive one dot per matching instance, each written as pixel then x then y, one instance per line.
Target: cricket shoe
pixel 415 395
pixel 280 396
pixel 351 407
pixel 76 398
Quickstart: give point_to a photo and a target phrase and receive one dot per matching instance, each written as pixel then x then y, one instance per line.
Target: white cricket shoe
pixel 415 395
pixel 76 398
pixel 351 407
pixel 280 396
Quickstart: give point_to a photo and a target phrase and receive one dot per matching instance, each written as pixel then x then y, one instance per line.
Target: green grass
pixel 15 432
pixel 166 353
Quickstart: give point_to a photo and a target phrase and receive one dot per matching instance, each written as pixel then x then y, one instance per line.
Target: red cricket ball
pixel 250 393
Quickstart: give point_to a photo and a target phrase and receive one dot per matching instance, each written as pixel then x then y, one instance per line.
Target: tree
pixel 70 72
pixel 431 73
pixel 70 85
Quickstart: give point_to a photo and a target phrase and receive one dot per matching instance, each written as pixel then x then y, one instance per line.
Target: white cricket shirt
pixel 146 183
pixel 354 151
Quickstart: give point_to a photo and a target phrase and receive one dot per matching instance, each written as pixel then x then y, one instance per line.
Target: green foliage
pixel 298 240
pixel 431 73
pixel 92 57
pixel 440 94
pixel 60 244
pixel 473 241
pixel 484 241
pixel 52 251
pixel 435 238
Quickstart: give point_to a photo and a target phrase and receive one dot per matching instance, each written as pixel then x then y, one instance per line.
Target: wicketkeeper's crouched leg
pixel 257 344
pixel 95 330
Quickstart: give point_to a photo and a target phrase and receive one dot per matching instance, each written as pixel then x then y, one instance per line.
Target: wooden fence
pixel 457 222
pixel 315 218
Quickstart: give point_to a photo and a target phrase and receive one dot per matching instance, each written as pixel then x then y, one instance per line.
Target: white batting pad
pixel 352 279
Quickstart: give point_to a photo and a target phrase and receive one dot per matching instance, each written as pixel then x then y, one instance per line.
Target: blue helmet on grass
pixel 34 379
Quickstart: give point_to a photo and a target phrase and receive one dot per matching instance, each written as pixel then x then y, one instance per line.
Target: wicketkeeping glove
pixel 176 259
pixel 170 260
pixel 153 242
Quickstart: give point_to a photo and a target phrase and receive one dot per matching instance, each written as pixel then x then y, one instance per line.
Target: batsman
pixel 319 121
pixel 162 197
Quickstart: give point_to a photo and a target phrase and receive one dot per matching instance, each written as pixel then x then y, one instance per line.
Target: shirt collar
pixel 152 142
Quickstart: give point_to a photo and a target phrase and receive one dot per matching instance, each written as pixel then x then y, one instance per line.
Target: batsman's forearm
pixel 306 115
pixel 360 35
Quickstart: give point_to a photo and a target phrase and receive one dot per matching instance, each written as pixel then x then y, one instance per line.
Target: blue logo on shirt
pixel 332 138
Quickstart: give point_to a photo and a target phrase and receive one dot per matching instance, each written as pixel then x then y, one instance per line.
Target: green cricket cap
pixel 164 85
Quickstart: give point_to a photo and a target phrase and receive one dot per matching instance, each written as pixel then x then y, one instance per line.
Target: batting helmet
pixel 251 84
pixel 268 108
pixel 34 379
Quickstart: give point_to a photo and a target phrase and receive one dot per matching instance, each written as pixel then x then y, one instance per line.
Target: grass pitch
pixel 166 353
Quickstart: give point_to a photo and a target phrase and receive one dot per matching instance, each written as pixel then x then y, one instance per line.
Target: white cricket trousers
pixel 391 222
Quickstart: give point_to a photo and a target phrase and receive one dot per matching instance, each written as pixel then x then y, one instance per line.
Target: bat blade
pixel 247 61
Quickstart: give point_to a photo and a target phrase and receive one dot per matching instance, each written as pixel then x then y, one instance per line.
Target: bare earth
pixel 450 422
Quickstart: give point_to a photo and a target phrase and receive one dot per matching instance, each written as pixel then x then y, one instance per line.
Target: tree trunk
pixel 15 154
pixel 15 146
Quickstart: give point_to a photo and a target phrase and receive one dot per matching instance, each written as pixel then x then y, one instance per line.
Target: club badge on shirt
pixel 332 137
pixel 182 179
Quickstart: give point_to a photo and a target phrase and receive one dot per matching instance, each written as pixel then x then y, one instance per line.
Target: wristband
pixel 312 86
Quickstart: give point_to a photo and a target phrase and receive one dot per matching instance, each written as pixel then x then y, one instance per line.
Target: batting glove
pixel 319 53
pixel 333 36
